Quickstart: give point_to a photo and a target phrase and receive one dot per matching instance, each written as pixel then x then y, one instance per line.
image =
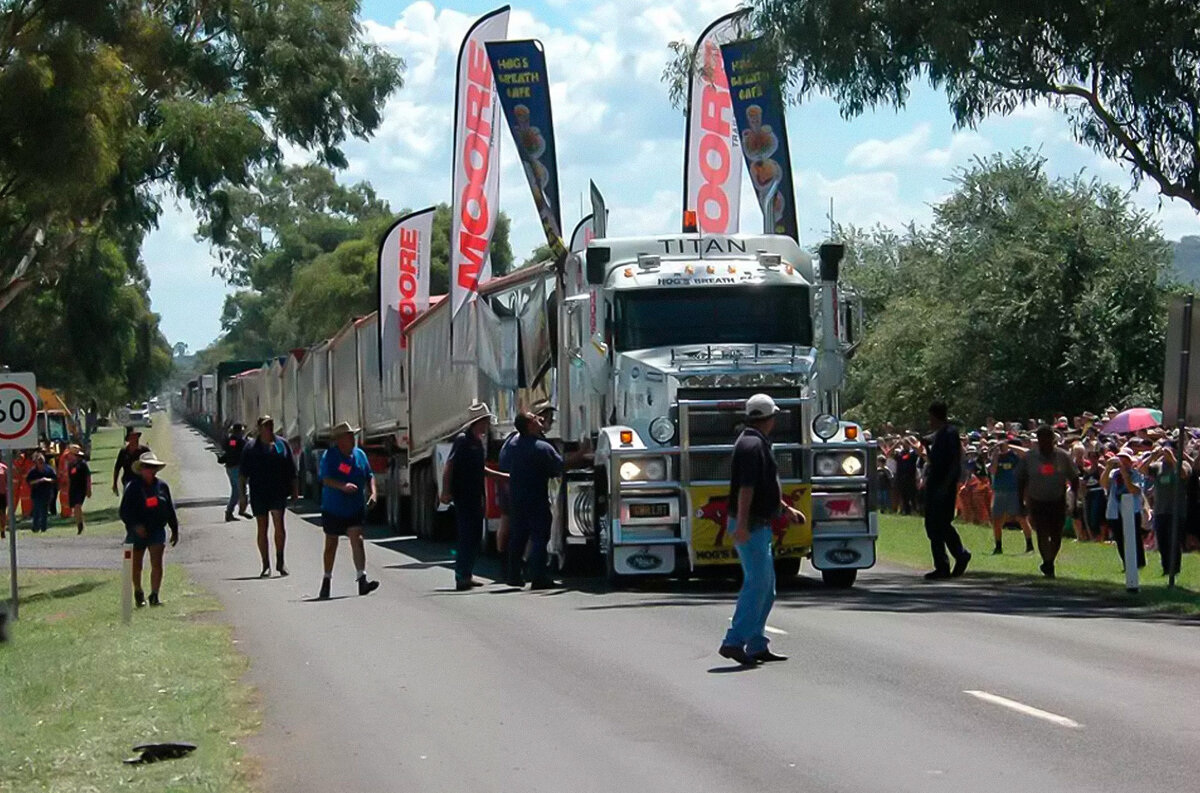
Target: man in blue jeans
pixel 756 498
pixel 231 458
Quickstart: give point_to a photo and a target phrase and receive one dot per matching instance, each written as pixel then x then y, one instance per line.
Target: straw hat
pixel 343 428
pixel 477 412
pixel 148 460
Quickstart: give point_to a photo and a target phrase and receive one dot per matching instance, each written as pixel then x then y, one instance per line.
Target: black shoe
pixel 266 572
pixel 462 586
pixel 1047 569
pixel 279 566
pixel 735 653
pixel 766 657
pixel 79 528
pixel 244 514
pixel 229 518
pixel 960 564
pixel 139 598
pixel 998 550
pixel 154 601
pixel 366 586
pixel 546 584
pixel 1028 546
pixel 324 590
pixel 937 575
pixel 515 583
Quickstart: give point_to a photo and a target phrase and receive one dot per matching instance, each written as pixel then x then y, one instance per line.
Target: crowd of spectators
pixel 1108 465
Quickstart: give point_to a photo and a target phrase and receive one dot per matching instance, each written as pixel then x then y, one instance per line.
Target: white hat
pixel 761 406
pixel 477 411
pixel 148 460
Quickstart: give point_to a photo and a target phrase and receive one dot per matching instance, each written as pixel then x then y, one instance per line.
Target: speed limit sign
pixel 18 410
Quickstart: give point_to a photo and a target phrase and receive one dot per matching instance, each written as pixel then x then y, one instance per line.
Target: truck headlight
pixel 825 426
pixel 643 469
pixel 662 430
pixel 838 464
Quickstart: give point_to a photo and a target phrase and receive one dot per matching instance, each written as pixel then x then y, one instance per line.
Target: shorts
pixel 76 499
pixel 1047 518
pixel 265 505
pixel 156 537
pixel 338 525
pixel 1006 504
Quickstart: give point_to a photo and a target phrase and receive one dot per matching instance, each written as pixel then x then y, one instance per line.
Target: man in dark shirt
pixel 530 462
pixel 941 490
pixel 755 499
pixel 268 469
pixel 462 483
pixel 129 454
pixel 231 458
pixel 906 458
pixel 79 483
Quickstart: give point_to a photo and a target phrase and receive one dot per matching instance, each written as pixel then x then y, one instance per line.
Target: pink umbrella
pixel 1133 420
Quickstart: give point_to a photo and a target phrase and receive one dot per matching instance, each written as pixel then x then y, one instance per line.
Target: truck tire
pixel 839 579
pixel 422 502
pixel 787 569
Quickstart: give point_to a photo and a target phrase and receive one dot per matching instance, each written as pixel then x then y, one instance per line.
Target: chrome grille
pixel 715 466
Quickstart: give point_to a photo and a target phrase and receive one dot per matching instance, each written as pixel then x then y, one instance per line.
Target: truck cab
pixel 686 328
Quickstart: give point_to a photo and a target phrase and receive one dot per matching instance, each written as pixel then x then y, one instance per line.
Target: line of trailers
pixel 648 347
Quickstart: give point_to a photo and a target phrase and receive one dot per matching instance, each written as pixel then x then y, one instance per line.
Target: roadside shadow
pixel 253 578
pixel 446 564
pixel 73 590
pixel 730 670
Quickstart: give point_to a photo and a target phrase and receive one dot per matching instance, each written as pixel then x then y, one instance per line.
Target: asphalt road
pixel 419 688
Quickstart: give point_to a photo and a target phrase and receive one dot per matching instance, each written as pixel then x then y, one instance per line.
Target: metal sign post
pixel 18 417
pixel 1185 354
pixel 1181 404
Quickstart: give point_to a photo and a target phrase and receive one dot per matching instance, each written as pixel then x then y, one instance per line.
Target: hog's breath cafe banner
pixel 519 68
pixel 758 108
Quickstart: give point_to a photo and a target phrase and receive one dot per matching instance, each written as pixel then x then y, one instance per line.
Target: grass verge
pixel 1081 566
pixel 101 509
pixel 78 689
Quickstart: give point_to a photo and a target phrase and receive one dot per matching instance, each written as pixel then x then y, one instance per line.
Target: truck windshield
pixel 713 315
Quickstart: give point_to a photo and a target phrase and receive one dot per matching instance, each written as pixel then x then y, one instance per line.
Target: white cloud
pixel 913 149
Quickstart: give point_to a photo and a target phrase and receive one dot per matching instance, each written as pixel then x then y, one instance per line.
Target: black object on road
pixel 153 752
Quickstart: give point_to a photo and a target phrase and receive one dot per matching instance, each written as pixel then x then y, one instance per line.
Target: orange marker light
pixel 711 269
pixel 629 272
pixel 732 269
pixel 851 433
pixel 790 269
pixel 688 270
pixel 689 221
pixel 626 437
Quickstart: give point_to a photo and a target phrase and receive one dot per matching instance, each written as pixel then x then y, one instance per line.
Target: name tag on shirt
pixel 1048 469
pixel 233 443
pixel 344 468
pixel 151 502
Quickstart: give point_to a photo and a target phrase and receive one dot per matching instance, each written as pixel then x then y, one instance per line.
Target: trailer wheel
pixel 787 569
pixel 839 579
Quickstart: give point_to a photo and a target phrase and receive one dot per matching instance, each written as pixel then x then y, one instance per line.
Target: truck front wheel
pixel 839 579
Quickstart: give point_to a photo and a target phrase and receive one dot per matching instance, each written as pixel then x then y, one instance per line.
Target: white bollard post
pixel 127 587
pixel 1128 510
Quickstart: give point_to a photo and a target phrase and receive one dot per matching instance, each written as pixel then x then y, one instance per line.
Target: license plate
pixel 650 510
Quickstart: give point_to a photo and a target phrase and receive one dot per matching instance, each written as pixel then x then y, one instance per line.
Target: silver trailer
pixel 343 376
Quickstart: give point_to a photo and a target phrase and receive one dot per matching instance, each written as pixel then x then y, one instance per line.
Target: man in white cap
pixel 347 491
pixel 462 483
pixel 755 499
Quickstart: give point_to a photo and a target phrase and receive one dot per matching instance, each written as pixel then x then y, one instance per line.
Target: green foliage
pixel 1024 298
pixel 1126 74
pixel 305 248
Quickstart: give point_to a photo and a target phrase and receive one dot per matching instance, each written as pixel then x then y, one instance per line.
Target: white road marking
pixel 776 631
pixel 1028 710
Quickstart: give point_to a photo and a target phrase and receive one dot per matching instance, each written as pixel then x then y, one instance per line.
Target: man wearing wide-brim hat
pixel 79 483
pixel 268 471
pixel 347 491
pixel 147 509
pixel 463 483
pixel 1121 477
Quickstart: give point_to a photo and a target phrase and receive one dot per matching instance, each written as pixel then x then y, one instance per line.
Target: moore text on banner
pixel 712 173
pixel 403 281
pixel 476 184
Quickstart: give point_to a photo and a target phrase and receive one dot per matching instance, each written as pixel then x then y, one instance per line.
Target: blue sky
pixel 614 124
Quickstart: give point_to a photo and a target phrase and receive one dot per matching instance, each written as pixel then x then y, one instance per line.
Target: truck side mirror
pixel 597 263
pixel 830 254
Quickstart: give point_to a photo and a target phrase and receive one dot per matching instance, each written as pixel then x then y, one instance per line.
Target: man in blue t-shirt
pixel 1006 499
pixel 347 490
pixel 531 462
